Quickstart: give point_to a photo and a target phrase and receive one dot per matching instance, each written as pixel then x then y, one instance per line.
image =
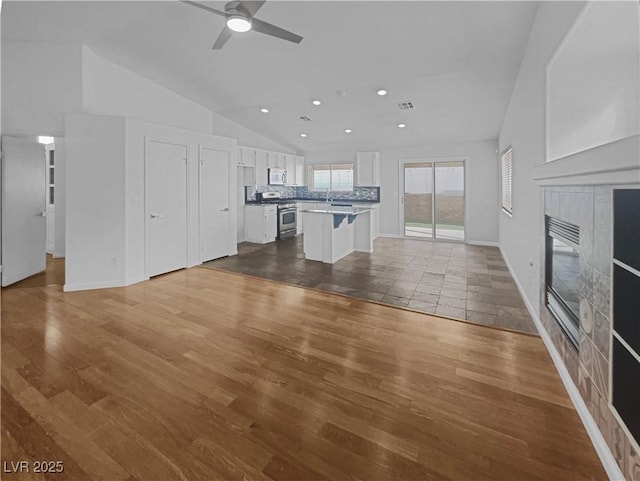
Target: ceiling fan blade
pixel 269 29
pixel 251 6
pixel 222 38
pixel 204 7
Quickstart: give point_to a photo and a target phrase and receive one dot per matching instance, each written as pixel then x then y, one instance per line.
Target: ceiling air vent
pixel 304 118
pixel 406 106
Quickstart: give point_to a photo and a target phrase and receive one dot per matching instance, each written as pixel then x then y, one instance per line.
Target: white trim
pixel 391 236
pixel 604 453
pixel 483 243
pixel 626 346
pixel 93 285
pixel 626 267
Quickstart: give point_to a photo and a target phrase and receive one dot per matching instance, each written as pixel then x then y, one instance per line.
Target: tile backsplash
pixel 363 194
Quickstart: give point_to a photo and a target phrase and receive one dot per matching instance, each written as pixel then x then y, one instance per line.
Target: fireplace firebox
pixel 562 277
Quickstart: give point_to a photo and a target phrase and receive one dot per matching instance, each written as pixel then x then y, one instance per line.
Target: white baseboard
pixel 391 236
pixel 92 285
pixel 483 243
pixel 604 453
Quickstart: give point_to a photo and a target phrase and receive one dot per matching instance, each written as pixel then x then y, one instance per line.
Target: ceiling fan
pixel 240 16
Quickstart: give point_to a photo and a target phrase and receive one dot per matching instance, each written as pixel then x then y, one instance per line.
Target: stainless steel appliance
pixel 287 213
pixel 287 220
pixel 277 176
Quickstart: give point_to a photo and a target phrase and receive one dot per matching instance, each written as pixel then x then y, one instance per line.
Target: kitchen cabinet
pixel 261 223
pixel 367 169
pixel 271 159
pixel 246 157
pixel 299 167
pixel 280 160
pixel 290 166
pixel 262 164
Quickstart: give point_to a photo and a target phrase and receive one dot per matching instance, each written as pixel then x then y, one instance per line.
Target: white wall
pixel 593 79
pixel 228 128
pixel 524 129
pixel 95 202
pixel 109 89
pixel 40 83
pixel 481 179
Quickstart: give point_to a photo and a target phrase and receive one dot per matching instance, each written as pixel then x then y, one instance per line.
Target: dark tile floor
pixel 451 279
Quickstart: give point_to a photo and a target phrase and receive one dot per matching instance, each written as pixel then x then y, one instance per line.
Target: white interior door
pixel 214 204
pixel 166 207
pixel 24 237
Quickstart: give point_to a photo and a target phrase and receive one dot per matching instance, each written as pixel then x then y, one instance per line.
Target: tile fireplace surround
pixel 590 207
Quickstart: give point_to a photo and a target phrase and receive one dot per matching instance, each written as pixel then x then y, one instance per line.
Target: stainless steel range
pixel 287 213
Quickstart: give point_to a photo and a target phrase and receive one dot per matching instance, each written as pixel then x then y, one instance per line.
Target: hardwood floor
pixel 206 375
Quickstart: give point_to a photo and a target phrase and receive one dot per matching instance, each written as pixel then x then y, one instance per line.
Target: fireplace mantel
pixel 613 163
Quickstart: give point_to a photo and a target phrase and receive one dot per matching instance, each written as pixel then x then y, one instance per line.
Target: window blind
pixel 506 180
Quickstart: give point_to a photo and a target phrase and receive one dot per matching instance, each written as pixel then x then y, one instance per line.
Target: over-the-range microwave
pixel 277 176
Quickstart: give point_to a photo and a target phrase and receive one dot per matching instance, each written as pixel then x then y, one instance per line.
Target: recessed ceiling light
pixel 264 110
pixel 382 92
pixel 303 135
pixel 316 102
pixel 402 126
pixel 348 131
pixel 238 23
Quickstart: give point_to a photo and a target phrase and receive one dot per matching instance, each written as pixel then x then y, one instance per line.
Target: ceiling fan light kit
pixel 240 17
pixel 238 23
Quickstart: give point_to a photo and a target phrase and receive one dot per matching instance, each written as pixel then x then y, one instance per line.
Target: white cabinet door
pixel 23 209
pixel 270 224
pixel 280 161
pixel 272 159
pixel 290 166
pixel 300 174
pixel 214 204
pixel 261 167
pixel 368 169
pixel 247 157
pixel 166 207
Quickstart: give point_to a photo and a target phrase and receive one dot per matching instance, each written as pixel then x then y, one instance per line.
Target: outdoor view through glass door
pixel 434 217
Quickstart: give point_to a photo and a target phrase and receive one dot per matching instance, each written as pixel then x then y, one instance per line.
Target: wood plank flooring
pixel 207 375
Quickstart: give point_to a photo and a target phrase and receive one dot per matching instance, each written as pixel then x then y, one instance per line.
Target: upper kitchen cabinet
pixel 246 157
pixel 272 159
pixel 262 164
pixel 290 166
pixel 368 169
pixel 281 160
pixel 299 164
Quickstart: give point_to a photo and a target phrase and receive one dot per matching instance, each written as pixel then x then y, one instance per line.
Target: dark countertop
pixel 341 201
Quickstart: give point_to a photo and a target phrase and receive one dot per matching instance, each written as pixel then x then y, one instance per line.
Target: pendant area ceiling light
pixel 382 92
pixel 303 135
pixel 402 126
pixel 264 110
pixel 348 131
pixel 316 102
pixel 238 23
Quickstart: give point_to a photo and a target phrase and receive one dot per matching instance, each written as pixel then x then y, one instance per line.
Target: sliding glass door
pixel 434 200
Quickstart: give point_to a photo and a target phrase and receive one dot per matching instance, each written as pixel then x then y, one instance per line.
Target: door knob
pixel 226 209
pixel 154 216
pixel 42 214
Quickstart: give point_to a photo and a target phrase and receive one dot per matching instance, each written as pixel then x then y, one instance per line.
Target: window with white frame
pixel 332 177
pixel 506 181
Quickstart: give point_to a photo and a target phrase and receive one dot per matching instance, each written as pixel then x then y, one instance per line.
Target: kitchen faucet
pixel 327 198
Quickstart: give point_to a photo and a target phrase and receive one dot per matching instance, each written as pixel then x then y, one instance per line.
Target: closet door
pixel 166 207
pixel 214 204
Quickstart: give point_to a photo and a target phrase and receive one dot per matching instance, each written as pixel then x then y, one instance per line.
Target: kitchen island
pixel 332 233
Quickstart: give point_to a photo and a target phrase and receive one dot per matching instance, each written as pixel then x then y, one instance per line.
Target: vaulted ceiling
pixel 456 61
